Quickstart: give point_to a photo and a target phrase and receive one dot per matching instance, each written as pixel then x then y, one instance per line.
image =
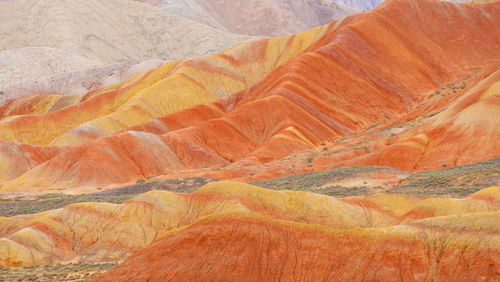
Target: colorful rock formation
pixel 246 247
pixel 346 84
pixel 410 86
pixel 431 235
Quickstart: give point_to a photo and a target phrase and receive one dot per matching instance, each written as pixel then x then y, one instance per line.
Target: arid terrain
pixel 202 140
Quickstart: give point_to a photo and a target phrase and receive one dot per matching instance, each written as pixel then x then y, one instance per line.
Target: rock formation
pixel 360 5
pixel 108 31
pixel 258 17
pixel 43 62
pixel 438 238
pixel 411 87
pixel 347 83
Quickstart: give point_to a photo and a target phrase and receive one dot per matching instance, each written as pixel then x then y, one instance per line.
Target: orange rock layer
pixel 348 84
pixel 229 229
pixel 249 248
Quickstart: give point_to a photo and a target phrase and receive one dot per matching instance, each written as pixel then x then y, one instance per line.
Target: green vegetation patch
pixel 459 181
pixel 315 181
pixel 116 196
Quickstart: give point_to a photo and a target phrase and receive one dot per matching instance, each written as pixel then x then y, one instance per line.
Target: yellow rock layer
pixel 169 88
pixel 103 231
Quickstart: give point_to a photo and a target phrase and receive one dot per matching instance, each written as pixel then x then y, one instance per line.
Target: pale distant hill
pixel 361 5
pixel 257 17
pixel 108 31
pixel 78 81
pixel 26 64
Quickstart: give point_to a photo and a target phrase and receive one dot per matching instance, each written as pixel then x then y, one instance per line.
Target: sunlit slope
pixel 170 88
pixel 79 81
pixel 460 132
pixel 99 231
pixel 387 87
pixel 248 247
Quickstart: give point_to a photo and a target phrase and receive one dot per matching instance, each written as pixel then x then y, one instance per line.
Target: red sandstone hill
pixel 411 85
pixel 228 230
pixel 240 247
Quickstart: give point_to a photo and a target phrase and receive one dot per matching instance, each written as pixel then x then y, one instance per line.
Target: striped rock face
pixel 388 87
pixel 240 230
pixel 411 87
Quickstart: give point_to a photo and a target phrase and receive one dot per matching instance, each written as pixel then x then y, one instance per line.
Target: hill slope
pixel 258 17
pixel 381 88
pixel 42 61
pixel 256 248
pixel 108 31
pixel 360 5
pixel 74 83
pixel 190 227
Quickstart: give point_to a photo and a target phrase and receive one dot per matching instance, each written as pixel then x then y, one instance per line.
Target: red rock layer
pixel 245 248
pixel 96 232
pixel 375 69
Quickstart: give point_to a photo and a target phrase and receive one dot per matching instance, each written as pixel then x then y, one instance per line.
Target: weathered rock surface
pixel 258 17
pixel 242 247
pixel 108 31
pixel 283 95
pixel 36 63
pixel 432 235
pixel 360 5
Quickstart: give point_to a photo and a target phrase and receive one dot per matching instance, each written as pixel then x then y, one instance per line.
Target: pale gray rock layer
pixel 257 17
pixel 36 63
pixel 109 31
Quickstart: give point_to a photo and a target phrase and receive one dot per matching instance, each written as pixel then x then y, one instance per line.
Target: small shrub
pixel 309 160
pixel 140 181
pixel 367 150
pixel 49 196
